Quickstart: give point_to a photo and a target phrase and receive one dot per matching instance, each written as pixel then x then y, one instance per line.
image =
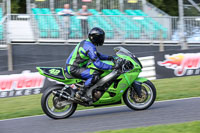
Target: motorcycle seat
pixel 68 76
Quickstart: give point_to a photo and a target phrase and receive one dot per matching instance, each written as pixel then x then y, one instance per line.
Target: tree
pixel 171 7
pixel 190 10
pixel 168 6
pixel 18 6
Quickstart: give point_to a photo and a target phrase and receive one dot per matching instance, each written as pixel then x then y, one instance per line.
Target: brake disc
pixel 57 103
pixel 144 96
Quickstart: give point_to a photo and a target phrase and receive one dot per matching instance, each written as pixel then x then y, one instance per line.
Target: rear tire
pixel 136 104
pixel 56 115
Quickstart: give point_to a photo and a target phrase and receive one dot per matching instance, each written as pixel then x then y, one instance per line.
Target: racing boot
pixel 81 94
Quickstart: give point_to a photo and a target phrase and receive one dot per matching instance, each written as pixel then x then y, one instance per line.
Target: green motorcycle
pixel 138 93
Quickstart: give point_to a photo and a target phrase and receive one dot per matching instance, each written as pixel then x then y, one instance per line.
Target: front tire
pixel 132 100
pixel 53 107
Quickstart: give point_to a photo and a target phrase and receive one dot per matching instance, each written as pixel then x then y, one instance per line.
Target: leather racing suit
pixel 76 64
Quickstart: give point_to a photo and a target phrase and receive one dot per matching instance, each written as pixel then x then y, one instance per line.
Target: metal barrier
pixel 53 27
pixel 192 29
pixel 3 7
pixel 39 4
pixel 3 31
pixel 61 3
pixel 116 27
pixel 4 10
pixel 93 4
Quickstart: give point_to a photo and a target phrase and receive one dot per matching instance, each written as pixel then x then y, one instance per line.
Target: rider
pixel 76 64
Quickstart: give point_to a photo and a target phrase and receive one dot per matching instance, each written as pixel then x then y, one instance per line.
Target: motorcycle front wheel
pixel 148 96
pixel 55 107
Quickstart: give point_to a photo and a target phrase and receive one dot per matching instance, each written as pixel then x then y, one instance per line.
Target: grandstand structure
pixel 124 21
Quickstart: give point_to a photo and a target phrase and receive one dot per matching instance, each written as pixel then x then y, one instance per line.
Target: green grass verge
pixel 173 88
pixel 188 127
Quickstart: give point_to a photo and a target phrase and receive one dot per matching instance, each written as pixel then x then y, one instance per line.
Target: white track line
pixel 103 108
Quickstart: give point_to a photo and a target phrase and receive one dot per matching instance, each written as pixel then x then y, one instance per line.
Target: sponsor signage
pixel 86 0
pixel 132 1
pixel 25 83
pixel 177 63
pixel 40 0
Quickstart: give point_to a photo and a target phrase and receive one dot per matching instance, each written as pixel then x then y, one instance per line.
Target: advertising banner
pixel 132 1
pixel 86 0
pixel 24 83
pixel 40 0
pixel 177 63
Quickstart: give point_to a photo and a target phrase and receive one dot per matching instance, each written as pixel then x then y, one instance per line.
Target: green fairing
pixel 119 90
pixel 65 81
pixel 140 79
pixel 136 66
pixel 125 80
pixel 106 72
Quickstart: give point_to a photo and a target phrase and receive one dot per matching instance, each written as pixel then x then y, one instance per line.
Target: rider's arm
pixel 104 57
pixel 92 52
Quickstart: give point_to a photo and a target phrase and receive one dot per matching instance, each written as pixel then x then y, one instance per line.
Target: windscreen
pixel 123 51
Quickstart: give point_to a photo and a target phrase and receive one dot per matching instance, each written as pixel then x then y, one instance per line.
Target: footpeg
pixel 77 96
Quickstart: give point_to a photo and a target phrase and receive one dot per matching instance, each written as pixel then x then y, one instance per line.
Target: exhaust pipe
pixel 61 95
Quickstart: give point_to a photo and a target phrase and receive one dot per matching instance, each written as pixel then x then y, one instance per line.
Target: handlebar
pixel 123 65
pixel 119 63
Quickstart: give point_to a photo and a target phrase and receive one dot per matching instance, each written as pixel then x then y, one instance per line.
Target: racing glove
pixel 116 66
pixel 111 58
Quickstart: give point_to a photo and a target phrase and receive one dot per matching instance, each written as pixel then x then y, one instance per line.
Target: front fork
pixel 137 86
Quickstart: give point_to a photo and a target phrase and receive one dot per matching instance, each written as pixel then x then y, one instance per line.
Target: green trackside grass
pixel 172 88
pixel 175 88
pixel 189 127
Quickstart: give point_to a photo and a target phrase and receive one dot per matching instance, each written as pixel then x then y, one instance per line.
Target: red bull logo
pixel 183 64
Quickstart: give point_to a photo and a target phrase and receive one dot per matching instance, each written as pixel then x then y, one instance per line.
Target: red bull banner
pixel 177 63
pixel 22 83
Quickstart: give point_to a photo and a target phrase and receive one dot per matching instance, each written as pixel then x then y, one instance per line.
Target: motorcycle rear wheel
pixel 134 102
pixel 55 107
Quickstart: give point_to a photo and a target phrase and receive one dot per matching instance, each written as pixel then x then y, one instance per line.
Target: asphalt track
pixel 164 112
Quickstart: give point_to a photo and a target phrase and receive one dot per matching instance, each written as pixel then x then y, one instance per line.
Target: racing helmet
pixel 97 36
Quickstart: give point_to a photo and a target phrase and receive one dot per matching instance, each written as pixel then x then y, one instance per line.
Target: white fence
pixel 148 70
